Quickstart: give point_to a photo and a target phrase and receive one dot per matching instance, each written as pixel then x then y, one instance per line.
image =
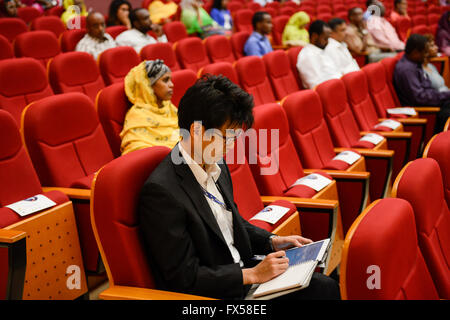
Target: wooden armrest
pixel 72 193
pixel 303 202
pixel 427 109
pixel 395 134
pixel 11 236
pixel 369 152
pixel 406 121
pixel 279 46
pixel 342 174
pixel 134 293
pixel 439 59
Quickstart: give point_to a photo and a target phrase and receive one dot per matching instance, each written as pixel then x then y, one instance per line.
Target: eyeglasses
pixel 230 139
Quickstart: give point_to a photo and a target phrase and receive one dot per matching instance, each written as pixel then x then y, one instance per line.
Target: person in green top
pixel 295 33
pixel 197 20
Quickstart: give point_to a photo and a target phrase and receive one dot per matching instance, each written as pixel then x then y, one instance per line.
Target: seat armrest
pixel 72 193
pixel 303 202
pixel 369 152
pixel 11 236
pixel 342 174
pixel 427 109
pixel 412 121
pixel 134 293
pixel 391 134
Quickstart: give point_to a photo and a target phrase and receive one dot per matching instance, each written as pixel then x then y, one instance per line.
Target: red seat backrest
pixel 238 40
pixel 389 68
pixel 28 14
pixel 402 25
pixel 253 78
pixel 114 31
pixel 419 19
pixel 115 215
pixel 6 49
pixel 175 31
pixel 15 93
pixel 279 23
pixel 243 20
pixel 41 45
pixel 10 28
pixel 286 11
pixel 70 38
pixel 64 139
pixel 220 68
pixel 115 63
pixel 293 57
pixel 191 53
pixel 182 80
pixel 75 72
pixel 280 73
pixel 49 23
pixel 161 51
pixel 219 49
pixel 421 185
pixel 404 274
pixel 233 6
pixel 421 29
pixel 254 6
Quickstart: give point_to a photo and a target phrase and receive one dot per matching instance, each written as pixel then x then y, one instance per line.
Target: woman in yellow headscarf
pixel 153 119
pixel 71 11
pixel 295 33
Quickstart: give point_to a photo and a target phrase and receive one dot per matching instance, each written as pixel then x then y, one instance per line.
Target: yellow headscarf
pixel 295 28
pixel 146 124
pixel 70 14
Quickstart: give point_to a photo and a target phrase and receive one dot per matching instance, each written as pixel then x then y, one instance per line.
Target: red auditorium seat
pixel 191 53
pixel 6 49
pixel 395 266
pixel 67 146
pixel 293 56
pixel 115 63
pixel 234 6
pixel 112 105
pixel 238 40
pixel 49 23
pixel 28 14
pixel 243 20
pixel 114 31
pixel 15 93
pixel 421 29
pixel 286 11
pixel 253 79
pixel 175 31
pixel 220 68
pixel 161 51
pixel 75 72
pixel 274 5
pixel 433 18
pixel 10 28
pixel 345 134
pixel 254 6
pixel 403 26
pixel 419 19
pixel 69 39
pixel 182 80
pixel 280 73
pixel 41 45
pixel 279 23
pixel 55 11
pixel 20 182
pixel 420 183
pixel 114 216
pixel 219 49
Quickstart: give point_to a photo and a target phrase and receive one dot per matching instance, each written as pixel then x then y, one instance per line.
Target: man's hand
pixel 287 242
pixel 272 266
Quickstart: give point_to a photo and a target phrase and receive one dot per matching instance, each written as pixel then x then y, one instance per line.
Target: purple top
pixel 443 34
pixel 413 87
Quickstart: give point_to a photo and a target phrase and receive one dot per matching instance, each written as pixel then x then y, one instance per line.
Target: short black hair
pixel 415 42
pixel 351 11
pixel 215 100
pixel 333 23
pixel 396 2
pixel 369 2
pixel 133 16
pixel 258 17
pixel 317 27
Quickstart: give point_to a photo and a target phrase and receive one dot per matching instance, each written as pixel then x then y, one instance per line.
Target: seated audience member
pixel 222 15
pixel 197 20
pixel 413 87
pixel 313 65
pixel 295 33
pixel 196 240
pixel 359 40
pixel 95 40
pixel 369 9
pixel 383 32
pixel 8 9
pixel 152 120
pixel 443 34
pixel 118 14
pixel 74 8
pixel 437 81
pixel 137 37
pixel 336 48
pixel 400 10
pixel 258 44
pixel 161 12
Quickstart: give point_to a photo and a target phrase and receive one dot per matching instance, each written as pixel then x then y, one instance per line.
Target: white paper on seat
pixel 389 123
pixel 314 180
pixel 348 157
pixel 31 205
pixel 271 214
pixel 404 110
pixel 373 138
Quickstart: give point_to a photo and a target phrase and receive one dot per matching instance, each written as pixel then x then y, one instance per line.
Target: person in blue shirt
pixel 258 43
pixel 222 15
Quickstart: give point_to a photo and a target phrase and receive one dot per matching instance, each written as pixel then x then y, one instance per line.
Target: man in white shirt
pixel 313 64
pixel 137 37
pixel 96 40
pixel 337 49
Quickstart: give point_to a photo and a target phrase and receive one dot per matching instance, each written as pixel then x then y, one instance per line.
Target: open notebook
pixel 302 263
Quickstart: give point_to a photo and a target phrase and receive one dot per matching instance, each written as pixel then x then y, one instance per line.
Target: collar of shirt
pixel 313 48
pixel 259 36
pixel 212 170
pixel 106 37
pixel 139 34
pixel 336 43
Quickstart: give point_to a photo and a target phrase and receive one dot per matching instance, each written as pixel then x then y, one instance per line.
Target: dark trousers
pixel 442 116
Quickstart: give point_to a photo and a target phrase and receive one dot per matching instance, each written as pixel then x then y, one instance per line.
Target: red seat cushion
pixel 41 45
pixel 111 70
pixel 10 28
pixel 191 54
pixel 219 49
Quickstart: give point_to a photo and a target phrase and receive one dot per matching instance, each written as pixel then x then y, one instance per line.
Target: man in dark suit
pixel 196 240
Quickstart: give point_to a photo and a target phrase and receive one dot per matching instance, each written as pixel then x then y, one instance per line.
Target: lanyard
pixel 213 198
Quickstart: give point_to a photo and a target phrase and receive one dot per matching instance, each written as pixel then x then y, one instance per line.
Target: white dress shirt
pixel 136 39
pixel 94 46
pixel 342 58
pixel 224 218
pixel 315 67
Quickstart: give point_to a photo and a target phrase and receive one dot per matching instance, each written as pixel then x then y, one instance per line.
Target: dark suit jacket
pixel 185 247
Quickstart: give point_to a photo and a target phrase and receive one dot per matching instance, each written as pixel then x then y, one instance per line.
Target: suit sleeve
pixel 164 227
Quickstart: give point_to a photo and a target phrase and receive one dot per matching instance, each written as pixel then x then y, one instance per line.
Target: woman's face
pixel 432 49
pixel 123 12
pixel 163 88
